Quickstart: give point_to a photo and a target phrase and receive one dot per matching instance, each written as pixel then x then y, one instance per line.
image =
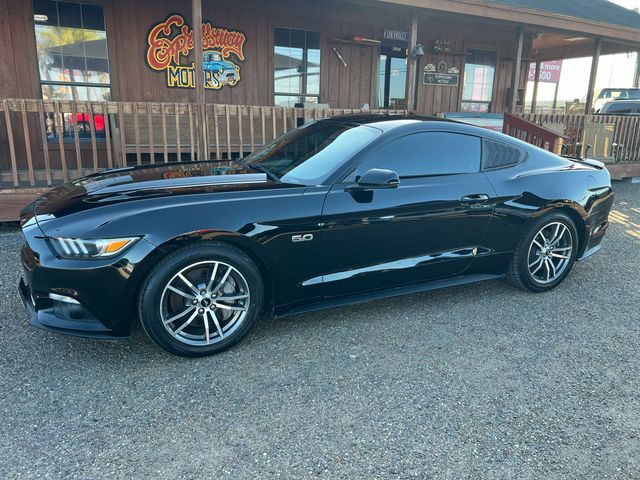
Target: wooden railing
pixel 612 138
pixel 43 143
pixel 532 133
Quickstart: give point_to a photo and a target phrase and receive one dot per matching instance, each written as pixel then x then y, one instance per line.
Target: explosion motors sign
pixel 169 43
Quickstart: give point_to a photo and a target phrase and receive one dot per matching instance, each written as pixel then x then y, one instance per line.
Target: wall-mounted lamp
pixel 417 52
pixel 416 55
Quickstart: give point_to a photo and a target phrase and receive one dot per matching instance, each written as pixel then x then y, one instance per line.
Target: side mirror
pixel 376 178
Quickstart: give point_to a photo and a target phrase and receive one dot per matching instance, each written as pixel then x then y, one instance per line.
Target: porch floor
pixel 12 201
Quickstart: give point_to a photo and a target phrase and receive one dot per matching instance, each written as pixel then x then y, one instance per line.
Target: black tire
pixel 519 273
pixel 152 296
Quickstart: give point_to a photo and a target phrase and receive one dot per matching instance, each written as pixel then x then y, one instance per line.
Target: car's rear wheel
pixel 201 299
pixel 546 254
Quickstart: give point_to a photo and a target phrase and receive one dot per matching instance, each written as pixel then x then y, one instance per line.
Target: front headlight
pixel 98 248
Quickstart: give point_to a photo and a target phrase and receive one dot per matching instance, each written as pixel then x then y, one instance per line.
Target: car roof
pixel 401 124
pixel 384 121
pixel 621 88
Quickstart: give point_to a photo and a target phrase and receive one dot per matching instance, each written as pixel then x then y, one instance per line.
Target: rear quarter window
pixel 500 155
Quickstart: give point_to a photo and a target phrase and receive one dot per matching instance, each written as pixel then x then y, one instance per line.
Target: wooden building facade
pixel 352 39
pixel 93 80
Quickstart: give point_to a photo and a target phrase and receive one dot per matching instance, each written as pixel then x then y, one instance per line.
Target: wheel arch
pixel 576 213
pixel 581 227
pixel 249 247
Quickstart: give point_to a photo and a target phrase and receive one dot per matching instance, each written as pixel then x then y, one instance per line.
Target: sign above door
pixel 396 35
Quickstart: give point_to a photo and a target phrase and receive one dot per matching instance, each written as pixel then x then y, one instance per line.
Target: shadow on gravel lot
pixel 482 381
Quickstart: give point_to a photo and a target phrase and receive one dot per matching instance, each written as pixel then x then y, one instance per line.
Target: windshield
pixel 620 94
pixel 212 57
pixel 310 154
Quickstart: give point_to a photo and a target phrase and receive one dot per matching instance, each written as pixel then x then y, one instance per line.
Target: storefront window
pixel 479 73
pixel 297 66
pixel 71 43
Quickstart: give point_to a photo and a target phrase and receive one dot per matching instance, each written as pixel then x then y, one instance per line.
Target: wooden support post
pixel 515 74
pixel 412 64
pixel 597 49
pixel 536 83
pixel 636 77
pixel 199 76
pixel 555 96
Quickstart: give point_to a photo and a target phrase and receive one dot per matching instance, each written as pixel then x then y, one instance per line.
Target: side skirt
pixel 387 293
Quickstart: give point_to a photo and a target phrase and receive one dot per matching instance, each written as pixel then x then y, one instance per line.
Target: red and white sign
pixel 549 72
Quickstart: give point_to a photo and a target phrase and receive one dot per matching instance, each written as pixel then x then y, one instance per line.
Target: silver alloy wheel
pixel 204 303
pixel 550 252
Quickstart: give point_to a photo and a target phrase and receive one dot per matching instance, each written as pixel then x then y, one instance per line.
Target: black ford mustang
pixel 338 211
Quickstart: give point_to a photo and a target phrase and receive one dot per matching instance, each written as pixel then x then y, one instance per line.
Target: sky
pixel 628 3
pixel 613 71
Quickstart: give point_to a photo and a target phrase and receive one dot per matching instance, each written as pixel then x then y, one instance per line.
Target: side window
pixel 620 108
pixel 428 153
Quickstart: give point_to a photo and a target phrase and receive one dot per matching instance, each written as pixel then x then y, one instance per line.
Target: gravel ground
pixel 482 381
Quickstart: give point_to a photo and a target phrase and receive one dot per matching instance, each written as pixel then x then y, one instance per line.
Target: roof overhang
pixel 536 19
pixel 555 46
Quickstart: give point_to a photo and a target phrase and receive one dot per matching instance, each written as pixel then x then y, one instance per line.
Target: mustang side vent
pixel 500 155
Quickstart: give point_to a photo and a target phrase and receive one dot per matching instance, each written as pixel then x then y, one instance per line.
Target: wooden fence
pixel 43 143
pixel 613 138
pixel 532 133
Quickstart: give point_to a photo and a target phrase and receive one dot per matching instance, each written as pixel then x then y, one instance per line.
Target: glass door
pixel 392 78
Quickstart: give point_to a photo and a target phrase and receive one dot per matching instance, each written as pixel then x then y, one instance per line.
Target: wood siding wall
pixel 341 86
pixel 464 36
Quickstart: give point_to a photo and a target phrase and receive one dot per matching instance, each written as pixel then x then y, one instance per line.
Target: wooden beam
pixel 536 83
pixel 527 16
pixel 597 49
pixel 412 64
pixel 579 50
pixel 199 75
pixel 515 73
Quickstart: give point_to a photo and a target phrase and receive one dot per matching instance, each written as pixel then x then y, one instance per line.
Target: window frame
pixel 486 48
pixel 304 94
pixel 111 57
pixel 347 179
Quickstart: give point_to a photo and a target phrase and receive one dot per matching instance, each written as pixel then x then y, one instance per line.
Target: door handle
pixel 475 198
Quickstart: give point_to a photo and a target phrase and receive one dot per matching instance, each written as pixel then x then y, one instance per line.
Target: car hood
pixel 90 195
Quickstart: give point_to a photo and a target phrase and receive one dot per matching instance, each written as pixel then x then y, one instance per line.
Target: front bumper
pixel 89 298
pixel 54 317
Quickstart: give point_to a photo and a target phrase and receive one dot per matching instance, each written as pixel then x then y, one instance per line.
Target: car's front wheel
pixel 201 299
pixel 546 254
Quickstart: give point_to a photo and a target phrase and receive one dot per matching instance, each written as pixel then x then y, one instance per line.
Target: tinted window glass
pixel 620 108
pixel 429 153
pixel 310 154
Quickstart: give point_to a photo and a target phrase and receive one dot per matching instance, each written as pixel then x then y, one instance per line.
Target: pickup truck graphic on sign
pixel 219 72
